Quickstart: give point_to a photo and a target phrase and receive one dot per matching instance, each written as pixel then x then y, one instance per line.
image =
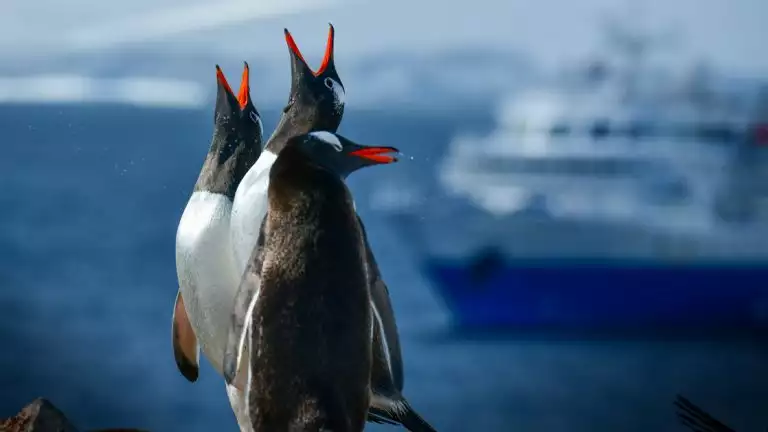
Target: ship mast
pixel 630 44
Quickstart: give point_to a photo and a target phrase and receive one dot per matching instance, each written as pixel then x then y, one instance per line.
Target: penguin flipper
pixel 186 350
pixel 697 419
pixel 375 417
pixel 245 303
pixel 399 411
pixel 384 314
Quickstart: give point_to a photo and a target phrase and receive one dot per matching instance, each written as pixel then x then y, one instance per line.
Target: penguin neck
pixel 298 121
pixel 297 168
pixel 227 162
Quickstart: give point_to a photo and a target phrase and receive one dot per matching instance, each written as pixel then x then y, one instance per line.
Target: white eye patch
pixel 327 138
pixel 338 91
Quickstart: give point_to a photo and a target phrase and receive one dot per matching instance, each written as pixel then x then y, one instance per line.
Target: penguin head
pixel 237 121
pixel 341 155
pixel 317 98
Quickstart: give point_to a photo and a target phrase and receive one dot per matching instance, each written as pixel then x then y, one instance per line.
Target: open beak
pixel 327 58
pixel 292 46
pixel 222 80
pixel 377 154
pixel 244 94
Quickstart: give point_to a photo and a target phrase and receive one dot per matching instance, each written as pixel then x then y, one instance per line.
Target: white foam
pixel 137 91
pixel 328 138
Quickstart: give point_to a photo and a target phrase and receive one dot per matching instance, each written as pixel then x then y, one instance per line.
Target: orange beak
pixel 245 89
pixel 328 50
pixel 244 95
pixel 222 79
pixel 377 154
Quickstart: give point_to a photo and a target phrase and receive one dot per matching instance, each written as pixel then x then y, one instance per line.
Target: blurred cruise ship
pixel 615 195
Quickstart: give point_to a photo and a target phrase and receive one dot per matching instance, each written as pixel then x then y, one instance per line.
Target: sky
pixel 729 33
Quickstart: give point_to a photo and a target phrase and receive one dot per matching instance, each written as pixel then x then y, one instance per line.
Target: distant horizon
pixel 553 32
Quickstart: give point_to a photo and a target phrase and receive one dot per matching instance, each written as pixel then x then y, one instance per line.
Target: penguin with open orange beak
pixel 316 103
pixel 317 97
pixel 204 256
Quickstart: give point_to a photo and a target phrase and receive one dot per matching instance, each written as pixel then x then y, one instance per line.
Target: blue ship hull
pixel 552 294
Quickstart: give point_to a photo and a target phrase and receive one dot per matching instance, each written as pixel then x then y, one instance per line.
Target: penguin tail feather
pixel 697 419
pixel 400 411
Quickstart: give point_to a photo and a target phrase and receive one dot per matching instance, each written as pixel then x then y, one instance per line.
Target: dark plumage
pixel 316 103
pixel 304 300
pixel 696 418
pixel 316 99
pixel 237 138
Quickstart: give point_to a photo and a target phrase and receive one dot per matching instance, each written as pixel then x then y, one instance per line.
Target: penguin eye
pixel 328 83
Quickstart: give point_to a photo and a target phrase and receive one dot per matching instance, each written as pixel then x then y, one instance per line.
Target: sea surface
pixel 91 197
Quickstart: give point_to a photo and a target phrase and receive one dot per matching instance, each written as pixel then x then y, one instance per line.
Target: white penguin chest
pixel 206 271
pixel 249 209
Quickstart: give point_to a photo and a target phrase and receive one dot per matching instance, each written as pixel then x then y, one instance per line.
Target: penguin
pixel 388 405
pixel 304 300
pixel 204 259
pixel 316 102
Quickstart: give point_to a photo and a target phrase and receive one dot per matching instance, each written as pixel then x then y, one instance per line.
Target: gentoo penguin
pixel 388 405
pixel 204 259
pixel 304 299
pixel 316 102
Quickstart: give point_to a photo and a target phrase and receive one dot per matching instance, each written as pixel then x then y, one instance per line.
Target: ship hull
pixel 610 295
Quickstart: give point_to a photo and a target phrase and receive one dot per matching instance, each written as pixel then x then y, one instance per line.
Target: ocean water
pixel 90 200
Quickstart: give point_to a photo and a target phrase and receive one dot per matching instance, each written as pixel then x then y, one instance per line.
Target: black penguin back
pixel 312 322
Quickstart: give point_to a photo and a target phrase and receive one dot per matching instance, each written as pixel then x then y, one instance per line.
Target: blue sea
pixel 90 199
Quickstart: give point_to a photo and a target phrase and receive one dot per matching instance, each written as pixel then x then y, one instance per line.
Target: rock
pixel 38 416
pixel 42 416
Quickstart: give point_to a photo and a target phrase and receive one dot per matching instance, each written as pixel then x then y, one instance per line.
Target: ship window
pixel 715 132
pixel 639 130
pixel 605 167
pixel 600 129
pixel 484 265
pixel 560 129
